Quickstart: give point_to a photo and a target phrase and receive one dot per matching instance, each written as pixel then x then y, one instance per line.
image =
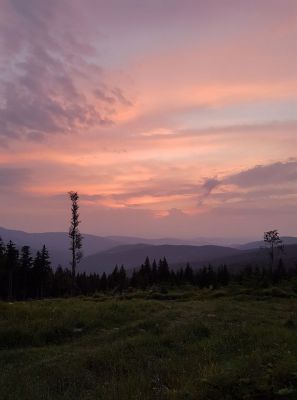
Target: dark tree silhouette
pixel 103 283
pixel 12 256
pixel 163 270
pixel 21 279
pixel 26 262
pixel 274 244
pixel 188 274
pixel 2 247
pixel 41 273
pixel 74 233
pixel 154 272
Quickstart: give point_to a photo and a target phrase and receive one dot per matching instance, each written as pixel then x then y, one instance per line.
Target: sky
pixel 170 118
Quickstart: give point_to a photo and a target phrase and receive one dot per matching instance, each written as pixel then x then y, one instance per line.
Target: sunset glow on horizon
pixel 170 118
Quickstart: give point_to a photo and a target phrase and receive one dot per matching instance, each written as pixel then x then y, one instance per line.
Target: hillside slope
pixel 57 243
pixel 132 256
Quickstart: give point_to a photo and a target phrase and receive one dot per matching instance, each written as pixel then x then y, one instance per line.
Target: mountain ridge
pixel 132 256
pixel 103 253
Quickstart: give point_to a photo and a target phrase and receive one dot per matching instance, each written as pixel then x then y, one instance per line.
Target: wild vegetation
pixel 195 344
pixel 23 276
pixel 151 333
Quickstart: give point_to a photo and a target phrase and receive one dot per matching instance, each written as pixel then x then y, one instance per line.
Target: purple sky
pixel 170 118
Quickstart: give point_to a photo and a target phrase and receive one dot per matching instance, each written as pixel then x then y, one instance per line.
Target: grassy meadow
pixel 189 344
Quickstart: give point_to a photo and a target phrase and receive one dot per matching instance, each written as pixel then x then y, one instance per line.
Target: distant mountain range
pixel 199 241
pixel 287 240
pixel 103 253
pixel 57 243
pixel 132 256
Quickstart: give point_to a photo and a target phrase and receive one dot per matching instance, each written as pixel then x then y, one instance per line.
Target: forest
pixel 24 276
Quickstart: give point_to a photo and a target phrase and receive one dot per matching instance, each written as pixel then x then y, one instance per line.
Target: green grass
pixel 234 343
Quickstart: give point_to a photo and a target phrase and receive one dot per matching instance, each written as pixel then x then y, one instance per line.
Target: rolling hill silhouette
pixel 103 253
pixel 132 256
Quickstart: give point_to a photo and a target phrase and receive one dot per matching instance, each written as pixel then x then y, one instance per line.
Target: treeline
pixel 160 274
pixel 23 276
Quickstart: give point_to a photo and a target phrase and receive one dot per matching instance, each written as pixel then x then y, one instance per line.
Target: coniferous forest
pixel 24 275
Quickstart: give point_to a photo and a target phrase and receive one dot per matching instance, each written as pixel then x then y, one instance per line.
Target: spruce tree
pixel 74 234
pixel 188 274
pixel 2 248
pixel 274 244
pixel 154 272
pixel 41 272
pixel 26 262
pixel 122 277
pixel 12 255
pixel 103 282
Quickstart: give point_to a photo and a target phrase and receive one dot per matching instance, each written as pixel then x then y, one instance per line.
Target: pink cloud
pixel 158 113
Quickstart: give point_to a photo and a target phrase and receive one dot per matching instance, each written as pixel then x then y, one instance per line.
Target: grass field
pixel 236 343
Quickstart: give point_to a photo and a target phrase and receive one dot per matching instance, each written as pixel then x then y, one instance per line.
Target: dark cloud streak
pixel 276 173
